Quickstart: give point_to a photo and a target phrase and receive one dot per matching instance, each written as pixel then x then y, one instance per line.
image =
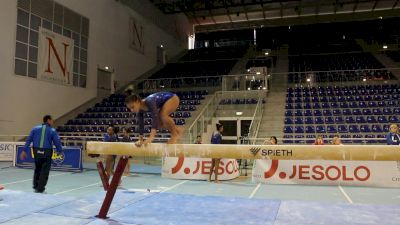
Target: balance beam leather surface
pixel 282 152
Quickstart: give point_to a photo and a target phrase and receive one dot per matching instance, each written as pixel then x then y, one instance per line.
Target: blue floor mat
pixel 89 207
pixel 128 208
pixel 17 204
pixel 187 209
pixel 312 213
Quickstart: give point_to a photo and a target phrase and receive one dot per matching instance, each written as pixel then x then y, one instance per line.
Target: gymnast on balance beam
pixel 160 105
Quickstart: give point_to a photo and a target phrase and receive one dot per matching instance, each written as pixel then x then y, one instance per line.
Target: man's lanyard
pixel 42 136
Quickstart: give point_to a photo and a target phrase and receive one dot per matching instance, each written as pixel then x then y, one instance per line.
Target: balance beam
pixel 281 152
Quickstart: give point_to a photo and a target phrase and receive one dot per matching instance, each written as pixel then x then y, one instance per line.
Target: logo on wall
pixel 55 59
pixel 136 35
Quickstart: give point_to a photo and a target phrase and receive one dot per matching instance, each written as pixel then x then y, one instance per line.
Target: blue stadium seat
pixel 360 119
pixel 288 121
pixel 288 129
pixel 320 129
pixel 299 120
pixel 329 120
pixel 310 129
pixel 342 129
pixel 382 119
pixel 298 129
pixel 319 120
pixel 365 129
pixel 331 129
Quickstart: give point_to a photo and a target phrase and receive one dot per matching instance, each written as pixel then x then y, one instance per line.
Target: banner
pixel 198 168
pixel 7 151
pixel 325 172
pixel 136 35
pixel 55 57
pixel 70 160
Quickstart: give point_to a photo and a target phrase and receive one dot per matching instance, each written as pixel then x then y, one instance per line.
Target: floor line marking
pixel 21 181
pixel 255 190
pixel 345 195
pixel 174 186
pixel 74 189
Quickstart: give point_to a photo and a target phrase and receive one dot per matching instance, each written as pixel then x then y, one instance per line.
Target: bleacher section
pixel 206 62
pixel 394 55
pixel 336 67
pixel 350 111
pixel 112 111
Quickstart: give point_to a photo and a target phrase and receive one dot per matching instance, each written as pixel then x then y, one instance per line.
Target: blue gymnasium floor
pixel 75 198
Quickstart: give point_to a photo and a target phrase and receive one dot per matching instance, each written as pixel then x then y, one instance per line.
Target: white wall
pixel 24 100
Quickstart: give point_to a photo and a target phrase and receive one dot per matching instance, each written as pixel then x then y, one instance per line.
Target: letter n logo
pixel 62 63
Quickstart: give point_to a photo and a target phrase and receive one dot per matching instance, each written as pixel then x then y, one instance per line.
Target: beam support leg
pixel 112 188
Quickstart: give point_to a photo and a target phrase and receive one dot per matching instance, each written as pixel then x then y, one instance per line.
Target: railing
pixel 310 141
pixel 199 125
pixel 257 117
pixel 340 76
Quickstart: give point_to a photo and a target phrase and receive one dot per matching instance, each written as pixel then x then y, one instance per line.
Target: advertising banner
pixel 69 160
pixel 328 172
pixel 198 168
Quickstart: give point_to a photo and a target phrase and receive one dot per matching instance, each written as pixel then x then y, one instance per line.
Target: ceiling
pixel 209 15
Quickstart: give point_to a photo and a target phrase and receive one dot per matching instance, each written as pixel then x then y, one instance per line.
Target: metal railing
pixel 309 141
pixel 257 117
pixel 199 124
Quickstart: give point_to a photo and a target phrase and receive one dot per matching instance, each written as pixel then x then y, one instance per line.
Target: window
pixel 32 14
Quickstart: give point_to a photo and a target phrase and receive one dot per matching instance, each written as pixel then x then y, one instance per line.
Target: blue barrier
pixel 69 160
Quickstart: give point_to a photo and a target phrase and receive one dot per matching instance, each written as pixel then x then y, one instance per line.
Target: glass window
pixel 34 38
pixel 20 67
pixel 83 55
pixel 33 54
pixel 32 70
pixel 22 34
pixel 76 66
pixel 67 33
pixel 84 42
pixel 35 22
pixel 83 68
pixel 23 18
pixel 82 81
pixel 76 53
pixel 76 38
pixel 57 29
pixel 21 50
pixel 75 81
pixel 47 24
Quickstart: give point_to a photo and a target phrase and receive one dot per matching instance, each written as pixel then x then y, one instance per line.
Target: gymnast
pixel 160 105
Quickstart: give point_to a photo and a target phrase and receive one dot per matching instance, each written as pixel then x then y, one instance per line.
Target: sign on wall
pixel 198 168
pixel 55 57
pixel 7 151
pixel 70 159
pixel 136 35
pixel 328 172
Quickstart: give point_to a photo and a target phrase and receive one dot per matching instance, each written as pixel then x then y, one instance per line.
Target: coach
pixel 43 137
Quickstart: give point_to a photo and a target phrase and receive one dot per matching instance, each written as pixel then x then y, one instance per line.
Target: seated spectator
pixel 393 138
pixel 319 140
pixel 110 136
pixel 126 138
pixel 272 141
pixel 198 140
pixel 336 140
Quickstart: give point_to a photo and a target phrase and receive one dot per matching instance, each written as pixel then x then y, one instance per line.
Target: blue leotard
pixel 154 103
pixel 216 138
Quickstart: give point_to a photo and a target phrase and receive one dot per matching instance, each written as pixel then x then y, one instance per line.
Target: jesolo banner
pixel 198 168
pixel 328 172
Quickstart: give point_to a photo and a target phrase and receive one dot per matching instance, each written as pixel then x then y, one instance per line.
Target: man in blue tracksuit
pixel 43 137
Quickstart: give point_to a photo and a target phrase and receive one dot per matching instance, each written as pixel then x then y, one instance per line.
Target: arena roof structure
pixel 213 15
